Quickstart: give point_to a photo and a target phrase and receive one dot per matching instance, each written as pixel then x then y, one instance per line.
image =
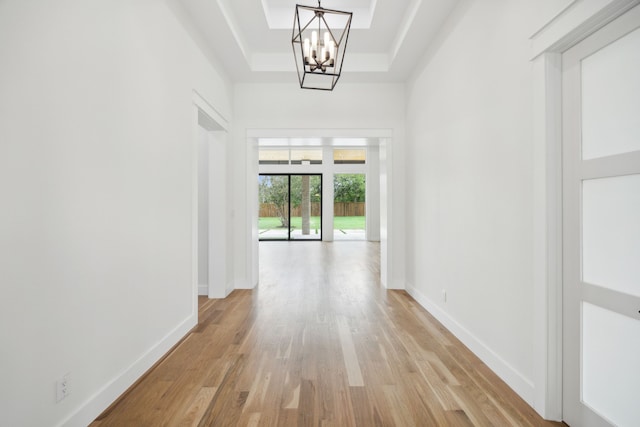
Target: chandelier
pixel 319 41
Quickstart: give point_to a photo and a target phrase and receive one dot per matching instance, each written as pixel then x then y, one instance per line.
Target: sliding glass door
pixel 290 207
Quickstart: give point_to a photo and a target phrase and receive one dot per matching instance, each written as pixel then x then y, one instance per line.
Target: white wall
pixel 373 194
pixel 96 178
pixel 470 174
pixel 350 110
pixel 203 211
pixel 220 238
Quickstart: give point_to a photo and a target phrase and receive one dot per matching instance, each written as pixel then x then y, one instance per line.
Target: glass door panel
pixel 610 377
pixel 610 78
pixel 290 207
pixel 273 219
pixel 611 233
pixel 306 207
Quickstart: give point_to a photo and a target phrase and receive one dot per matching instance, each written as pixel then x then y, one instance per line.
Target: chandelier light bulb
pixel 314 40
pixel 306 49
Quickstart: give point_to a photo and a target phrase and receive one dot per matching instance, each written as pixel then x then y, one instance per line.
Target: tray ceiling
pixel 252 38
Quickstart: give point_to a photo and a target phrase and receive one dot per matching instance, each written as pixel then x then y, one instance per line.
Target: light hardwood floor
pixel 319 343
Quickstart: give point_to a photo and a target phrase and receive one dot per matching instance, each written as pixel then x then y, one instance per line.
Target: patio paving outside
pixel 345 228
pixel 349 235
pixel 281 234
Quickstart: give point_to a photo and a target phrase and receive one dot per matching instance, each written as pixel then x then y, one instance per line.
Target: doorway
pixel 210 239
pixel 601 231
pixel 381 225
pixel 290 207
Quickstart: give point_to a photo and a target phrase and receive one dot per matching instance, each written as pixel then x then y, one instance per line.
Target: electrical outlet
pixel 444 295
pixel 63 387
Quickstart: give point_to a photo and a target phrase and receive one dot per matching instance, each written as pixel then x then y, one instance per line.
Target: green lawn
pixel 339 223
pixel 348 222
pixel 268 222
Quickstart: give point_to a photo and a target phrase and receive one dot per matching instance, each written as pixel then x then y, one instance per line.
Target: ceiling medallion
pixel 319 42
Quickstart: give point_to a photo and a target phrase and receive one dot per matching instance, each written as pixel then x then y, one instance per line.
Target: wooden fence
pixel 348 209
pixel 339 209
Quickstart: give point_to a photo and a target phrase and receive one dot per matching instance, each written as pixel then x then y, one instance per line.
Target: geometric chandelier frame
pixel 319 42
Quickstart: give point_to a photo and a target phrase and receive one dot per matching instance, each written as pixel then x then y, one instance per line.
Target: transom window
pixel 294 156
pixel 349 156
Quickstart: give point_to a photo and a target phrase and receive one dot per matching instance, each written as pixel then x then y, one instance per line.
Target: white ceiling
pixel 252 38
pixel 317 142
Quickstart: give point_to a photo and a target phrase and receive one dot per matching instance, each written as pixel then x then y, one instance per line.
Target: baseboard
pixel 221 294
pixel 94 405
pixel 397 285
pixel 203 289
pixel 242 284
pixel 514 379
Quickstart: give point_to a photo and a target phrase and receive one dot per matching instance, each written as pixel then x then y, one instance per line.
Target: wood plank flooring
pixel 319 343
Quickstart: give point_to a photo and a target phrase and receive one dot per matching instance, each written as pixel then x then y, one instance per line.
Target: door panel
pixel 609 77
pixel 605 332
pixel 290 207
pixel 273 219
pixel 601 227
pixel 611 233
pixel 306 207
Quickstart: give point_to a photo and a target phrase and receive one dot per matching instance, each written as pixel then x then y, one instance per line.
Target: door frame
pixel 204 115
pixel 572 25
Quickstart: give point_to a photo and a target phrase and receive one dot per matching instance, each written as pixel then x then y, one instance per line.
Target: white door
pixel 601 227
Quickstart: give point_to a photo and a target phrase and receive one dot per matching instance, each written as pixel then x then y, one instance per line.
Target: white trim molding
pixel 108 394
pixel 547 236
pixel 203 289
pixel 519 383
pixel 579 20
pixel 219 122
pixel 205 115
